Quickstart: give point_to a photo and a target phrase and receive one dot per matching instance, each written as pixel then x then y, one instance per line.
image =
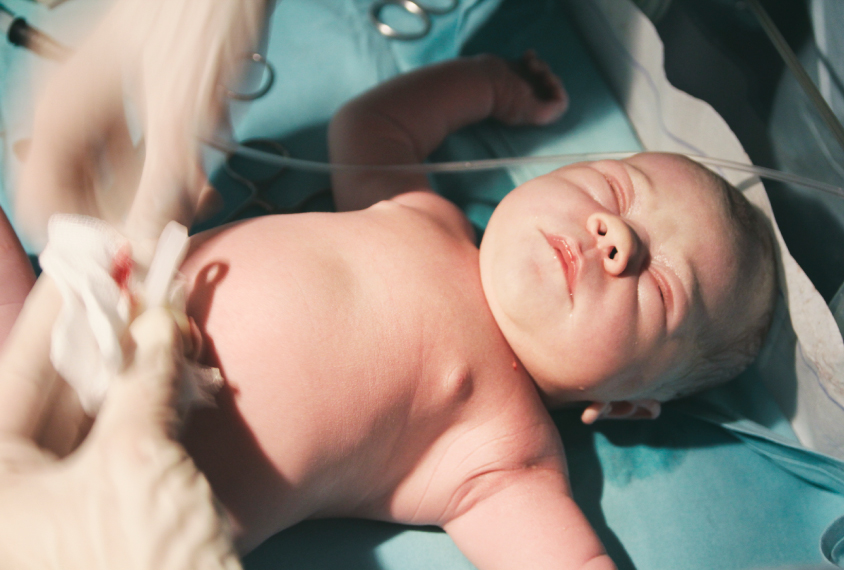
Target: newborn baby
pixel 379 365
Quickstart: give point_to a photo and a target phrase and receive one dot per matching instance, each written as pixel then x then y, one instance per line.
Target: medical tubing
pixel 496 163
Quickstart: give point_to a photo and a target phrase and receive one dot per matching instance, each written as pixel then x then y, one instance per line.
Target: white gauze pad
pixel 92 266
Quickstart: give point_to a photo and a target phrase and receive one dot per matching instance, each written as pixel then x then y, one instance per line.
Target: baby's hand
pixel 529 93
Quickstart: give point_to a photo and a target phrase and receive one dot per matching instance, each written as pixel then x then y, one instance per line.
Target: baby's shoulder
pixel 437 209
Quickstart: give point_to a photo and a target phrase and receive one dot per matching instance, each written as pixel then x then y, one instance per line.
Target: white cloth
pixel 102 292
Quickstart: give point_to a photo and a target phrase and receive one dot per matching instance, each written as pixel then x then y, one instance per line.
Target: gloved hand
pixel 171 59
pixel 128 496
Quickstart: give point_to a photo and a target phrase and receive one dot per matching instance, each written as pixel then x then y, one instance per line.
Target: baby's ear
pixel 645 409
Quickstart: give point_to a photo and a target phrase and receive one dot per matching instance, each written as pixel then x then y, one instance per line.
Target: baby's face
pixel 601 275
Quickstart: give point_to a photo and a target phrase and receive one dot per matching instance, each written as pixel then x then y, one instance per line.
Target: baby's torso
pixel 365 375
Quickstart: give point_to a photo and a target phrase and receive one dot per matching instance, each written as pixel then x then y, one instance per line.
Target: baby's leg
pixel 16 277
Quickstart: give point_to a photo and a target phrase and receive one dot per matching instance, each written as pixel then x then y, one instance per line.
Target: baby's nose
pixel 620 246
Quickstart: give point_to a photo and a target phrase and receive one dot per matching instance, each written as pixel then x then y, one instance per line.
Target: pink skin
pixel 18 277
pixel 612 264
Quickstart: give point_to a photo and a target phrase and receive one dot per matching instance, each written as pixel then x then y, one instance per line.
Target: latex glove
pixel 129 496
pixel 172 59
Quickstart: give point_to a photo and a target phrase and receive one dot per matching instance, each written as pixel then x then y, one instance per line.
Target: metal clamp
pixel 411 8
pixel 421 11
pixel 263 89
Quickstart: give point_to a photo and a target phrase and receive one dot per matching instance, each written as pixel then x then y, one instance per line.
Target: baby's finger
pixel 545 84
pixel 530 93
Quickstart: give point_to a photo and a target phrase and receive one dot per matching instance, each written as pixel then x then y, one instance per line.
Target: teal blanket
pixel 718 481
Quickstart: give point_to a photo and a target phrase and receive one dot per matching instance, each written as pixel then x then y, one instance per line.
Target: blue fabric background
pixel 717 482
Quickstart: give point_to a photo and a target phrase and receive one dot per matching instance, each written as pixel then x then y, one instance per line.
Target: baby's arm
pixel 526 519
pixel 403 120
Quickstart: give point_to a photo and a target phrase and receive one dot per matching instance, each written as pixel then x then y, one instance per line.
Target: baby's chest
pixel 344 320
pixel 347 360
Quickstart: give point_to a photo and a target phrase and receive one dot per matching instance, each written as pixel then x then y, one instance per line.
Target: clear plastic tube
pixel 496 163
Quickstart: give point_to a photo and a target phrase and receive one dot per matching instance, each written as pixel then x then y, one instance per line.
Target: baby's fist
pixel 529 93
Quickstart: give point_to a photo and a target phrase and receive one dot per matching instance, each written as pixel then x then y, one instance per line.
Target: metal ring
pixel 440 11
pixel 264 89
pixel 411 8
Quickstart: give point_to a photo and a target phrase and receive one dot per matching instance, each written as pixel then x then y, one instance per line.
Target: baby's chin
pixel 556 390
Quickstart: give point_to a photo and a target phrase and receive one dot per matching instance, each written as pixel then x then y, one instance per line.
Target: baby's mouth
pixel 569 260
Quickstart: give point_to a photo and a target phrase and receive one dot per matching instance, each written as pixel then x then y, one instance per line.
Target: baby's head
pixel 631 281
